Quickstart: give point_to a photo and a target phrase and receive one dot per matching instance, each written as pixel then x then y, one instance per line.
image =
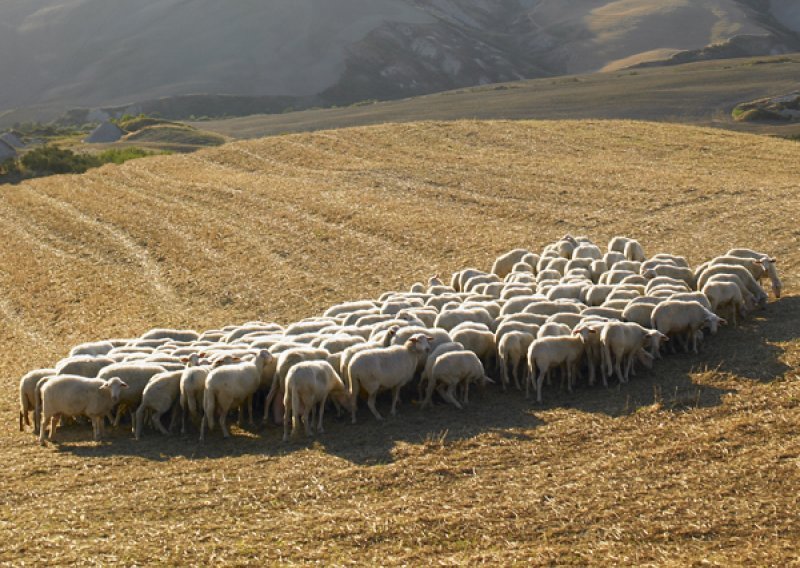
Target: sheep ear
pixel 104 386
pixel 412 339
pixel 123 385
pixel 773 259
pixel 184 359
pixel 429 338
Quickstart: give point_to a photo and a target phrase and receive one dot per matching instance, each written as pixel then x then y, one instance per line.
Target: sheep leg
pixel 516 371
pixel 54 421
pixel 429 394
pixel 273 389
pixel 156 420
pixel 286 418
pixel 371 405
pixel 138 422
pixel 618 370
pixel 354 408
pixel 504 373
pixel 308 419
pixel 321 412
pixel 223 422
pixel 539 383
pixel 203 426
pixel 465 400
pixel 395 398
pixel 447 394
pixel 42 429
pixel 97 427
pixel 173 419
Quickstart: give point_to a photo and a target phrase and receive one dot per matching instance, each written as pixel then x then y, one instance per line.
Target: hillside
pixel 697 93
pixel 694 462
pixel 98 53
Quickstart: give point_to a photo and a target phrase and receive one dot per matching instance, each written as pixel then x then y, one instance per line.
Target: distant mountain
pixel 111 53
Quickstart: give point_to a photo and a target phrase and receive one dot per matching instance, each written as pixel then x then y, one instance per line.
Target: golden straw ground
pixel 696 460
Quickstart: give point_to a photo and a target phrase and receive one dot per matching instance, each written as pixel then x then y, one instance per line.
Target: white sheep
pixel 767 261
pixel 504 263
pixel 136 376
pixel 622 343
pixel 726 294
pixel 435 352
pixel 228 387
pixel 27 396
pixel 547 353
pixel 84 365
pixel 511 351
pixel 285 361
pixel 748 282
pixel 479 341
pixel 174 334
pixel 93 348
pixel 684 319
pixel 308 385
pixel 388 368
pixel 159 396
pixel 451 370
pixel 73 395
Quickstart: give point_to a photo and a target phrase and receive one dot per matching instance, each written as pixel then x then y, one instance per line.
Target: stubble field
pixel 696 461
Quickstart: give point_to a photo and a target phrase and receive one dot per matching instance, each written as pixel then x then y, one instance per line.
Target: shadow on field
pixel 746 353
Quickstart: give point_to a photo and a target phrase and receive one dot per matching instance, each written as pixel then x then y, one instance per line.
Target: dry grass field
pixel 702 94
pixel 696 463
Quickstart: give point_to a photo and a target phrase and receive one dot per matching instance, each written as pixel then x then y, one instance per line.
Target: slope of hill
pixel 697 93
pixel 93 53
pixel 696 461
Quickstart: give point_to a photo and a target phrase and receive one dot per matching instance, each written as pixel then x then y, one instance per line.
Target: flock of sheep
pixel 573 310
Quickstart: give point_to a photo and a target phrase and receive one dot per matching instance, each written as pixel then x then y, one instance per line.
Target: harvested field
pixel 697 461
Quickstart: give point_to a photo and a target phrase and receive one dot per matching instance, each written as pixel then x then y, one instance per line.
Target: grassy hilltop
pixel 695 461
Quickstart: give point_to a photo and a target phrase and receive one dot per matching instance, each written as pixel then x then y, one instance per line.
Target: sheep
pixel 691 297
pixel 338 343
pixel 587 251
pixel 159 396
pixel 640 313
pixel 603 312
pixel 748 282
pixel 348 308
pixel 547 353
pixel 677 272
pixel 174 334
pixel 448 320
pixel 480 342
pixel 511 291
pixel 622 341
pixel 570 320
pixel 567 291
pixel 84 365
pixel 665 281
pixel 678 318
pixel 73 395
pixel 511 350
pixel 613 257
pixel 632 265
pixel 431 359
pixel 553 330
pixel 725 294
pixel 230 386
pixel 285 361
pixel 136 376
pixel 598 293
pixel 670 258
pixel 309 384
pixel 27 396
pixel 615 276
pixel 391 367
pixel 634 279
pixel 551 308
pixel 634 251
pixel 312 325
pixel 768 263
pixel 451 370
pixel 507 326
pixel 94 348
pixel 504 263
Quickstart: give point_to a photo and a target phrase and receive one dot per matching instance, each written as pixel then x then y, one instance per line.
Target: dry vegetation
pixel 697 462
